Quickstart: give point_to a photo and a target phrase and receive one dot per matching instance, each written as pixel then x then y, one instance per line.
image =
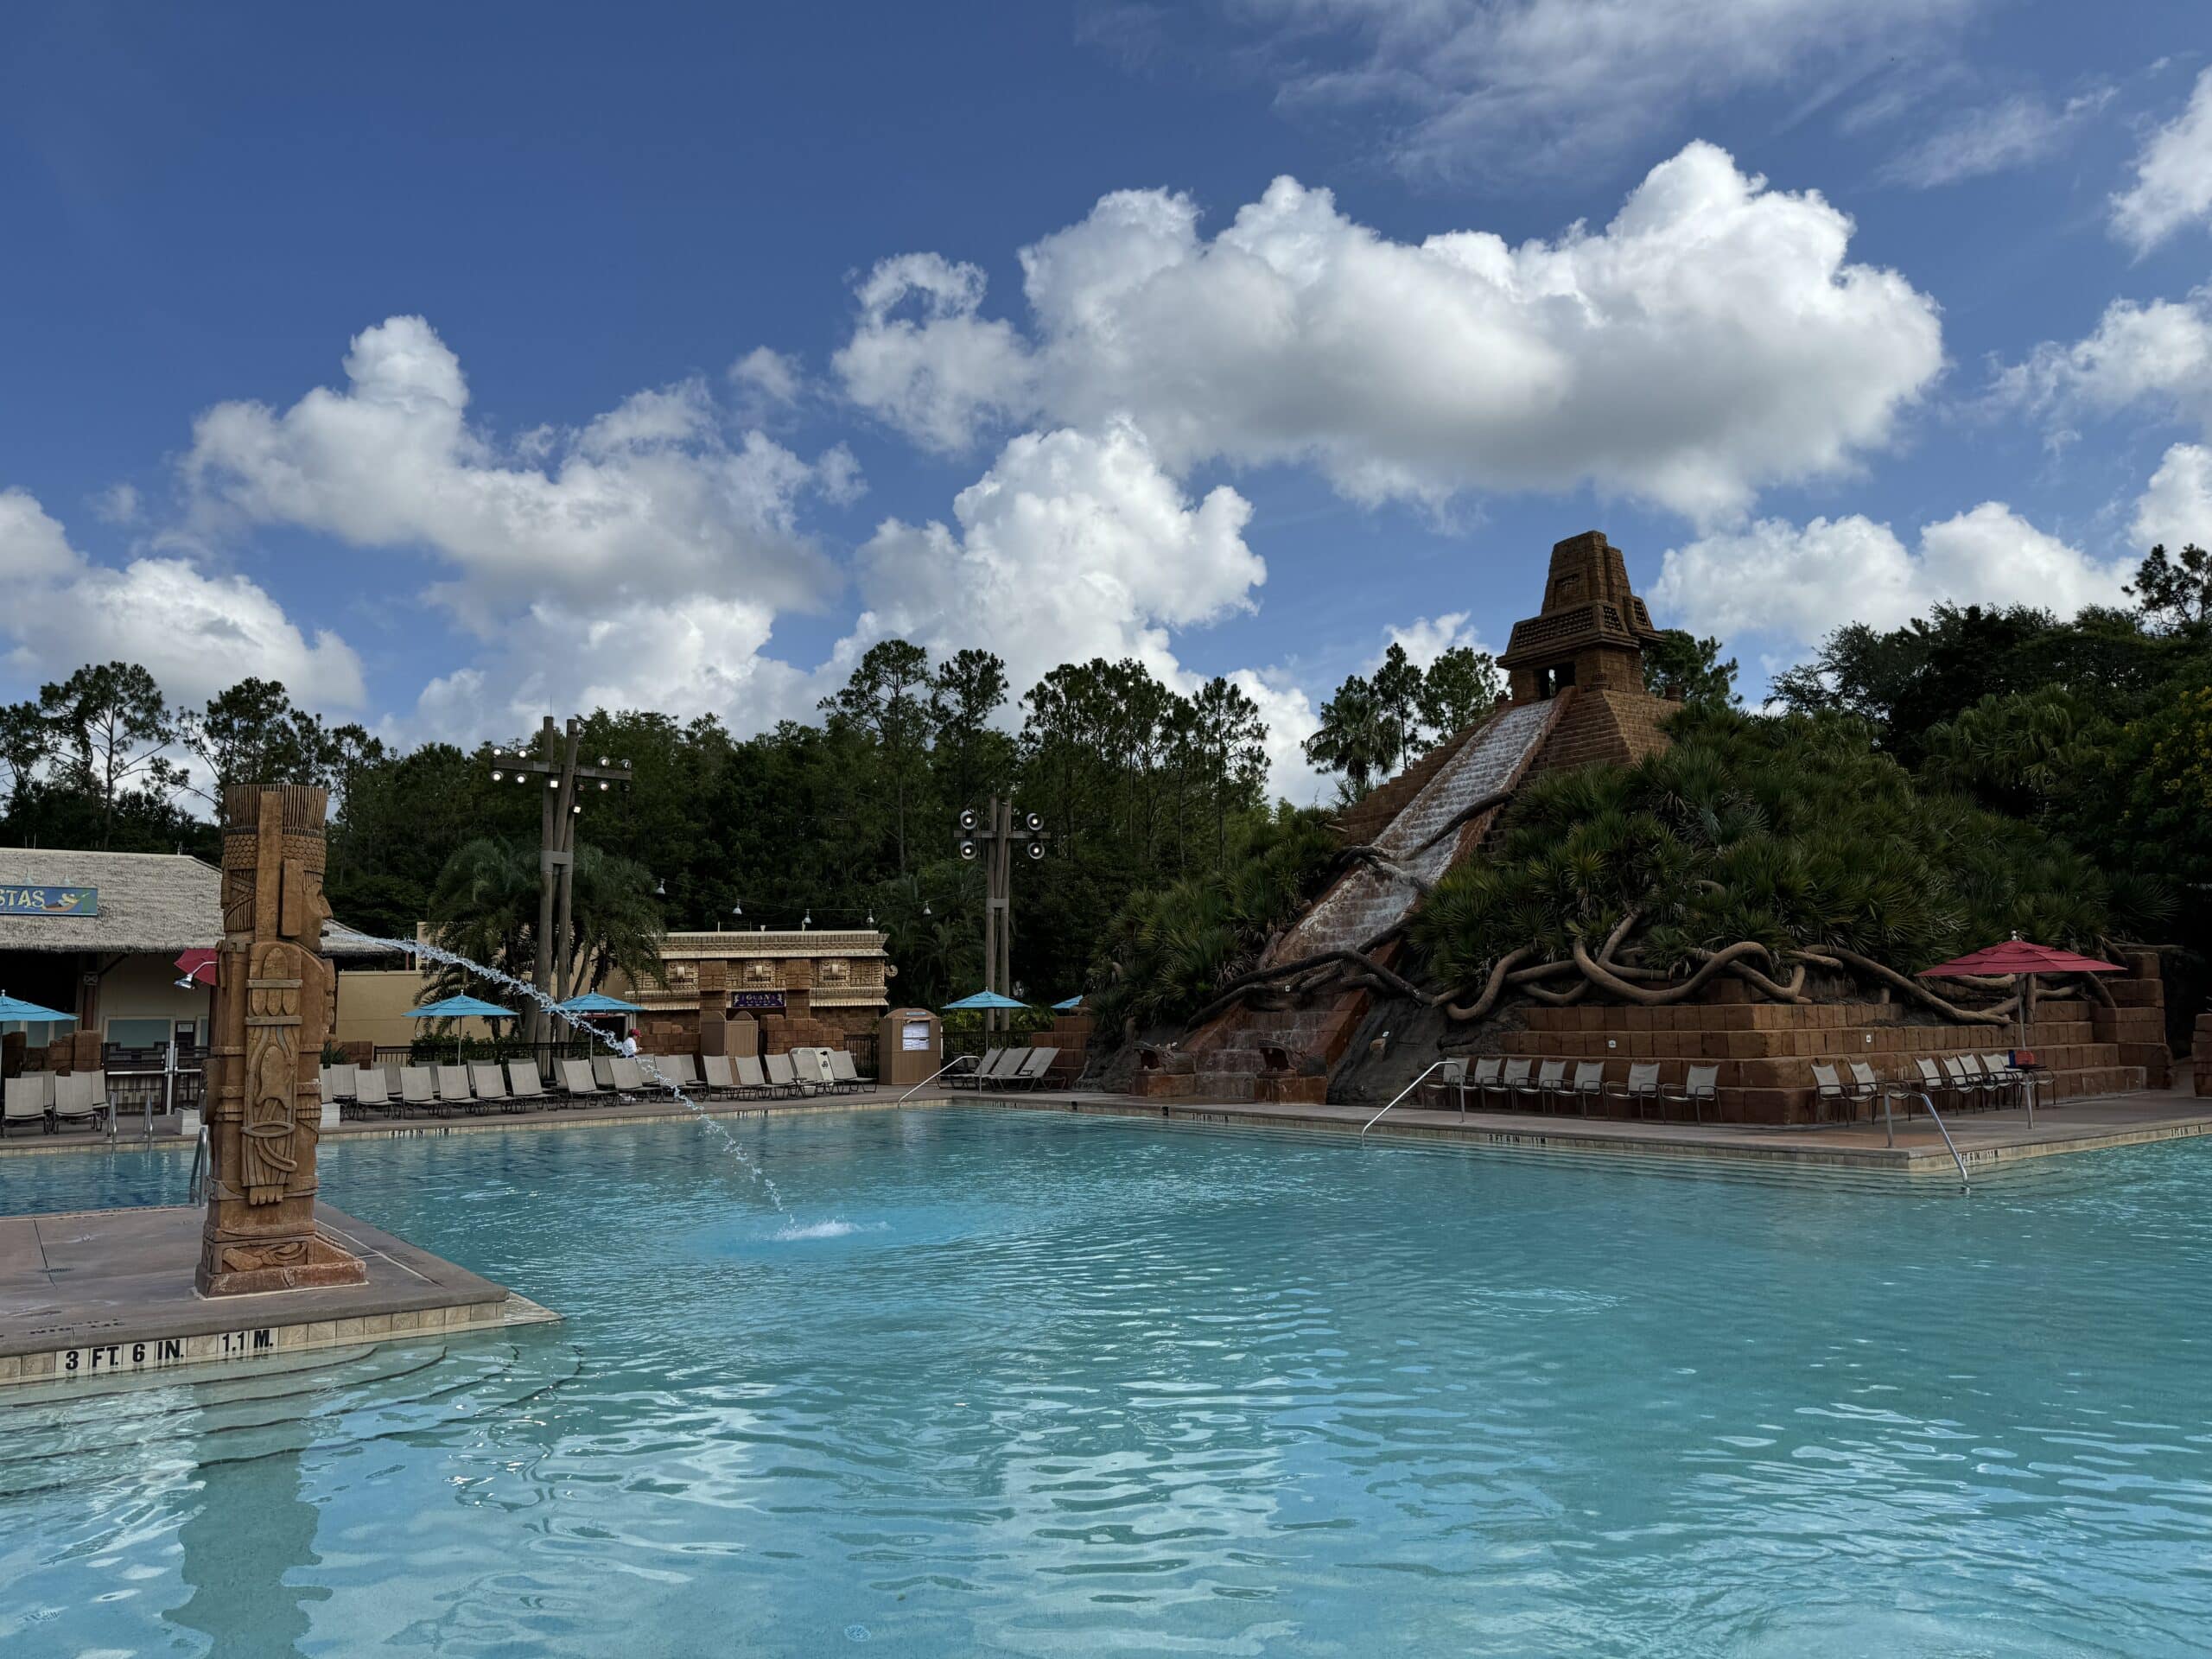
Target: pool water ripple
pixel 1051 1386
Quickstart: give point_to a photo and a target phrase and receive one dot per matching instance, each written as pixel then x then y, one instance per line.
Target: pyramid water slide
pixel 1372 897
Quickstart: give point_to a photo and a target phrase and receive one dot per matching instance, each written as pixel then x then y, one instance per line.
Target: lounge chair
pixel 1449 1080
pixel 602 1069
pixel 342 1083
pixel 1968 1083
pixel 28 1098
pixel 489 1082
pixel 629 1077
pixel 806 1065
pixel 1029 1071
pixel 418 1090
pixel 372 1093
pixel 1933 1082
pixel 843 1072
pixel 752 1079
pixel 455 1091
pixel 1828 1092
pixel 579 1082
pixel 1867 1085
pixel 1550 1078
pixel 77 1100
pixel 2006 1080
pixel 1484 1080
pixel 1514 1082
pixel 676 1071
pixel 525 1087
pixel 1699 1090
pixel 718 1079
pixel 1589 1086
pixel 1641 1089
pixel 1040 1070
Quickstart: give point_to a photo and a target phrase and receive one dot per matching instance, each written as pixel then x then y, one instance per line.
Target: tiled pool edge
pixel 137 1357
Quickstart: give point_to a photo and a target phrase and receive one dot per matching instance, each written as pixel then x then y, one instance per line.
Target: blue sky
pixel 455 364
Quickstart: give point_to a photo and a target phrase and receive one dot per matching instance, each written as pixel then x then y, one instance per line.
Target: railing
pixel 1415 1083
pixel 957 1060
pixel 195 1191
pixel 1965 1186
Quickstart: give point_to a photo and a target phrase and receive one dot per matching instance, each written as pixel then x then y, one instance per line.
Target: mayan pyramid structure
pixel 1576 696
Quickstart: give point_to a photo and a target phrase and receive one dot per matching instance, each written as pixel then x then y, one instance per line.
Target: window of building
pixel 138 1033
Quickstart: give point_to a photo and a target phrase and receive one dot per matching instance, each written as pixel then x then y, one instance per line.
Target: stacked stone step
pixel 1765 1052
pixel 2136 1023
pixel 1231 1055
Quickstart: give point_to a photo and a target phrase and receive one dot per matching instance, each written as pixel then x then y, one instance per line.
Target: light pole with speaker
pixel 991 836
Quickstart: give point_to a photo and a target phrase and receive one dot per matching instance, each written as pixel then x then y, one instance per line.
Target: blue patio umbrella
pixel 598 1002
pixel 985 999
pixel 459 1007
pixel 14 1008
pixel 1069 1006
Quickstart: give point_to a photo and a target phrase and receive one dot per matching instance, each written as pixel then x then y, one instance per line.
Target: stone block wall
pixel 2200 1054
pixel 2136 1023
pixel 1766 1051
pixel 1606 725
pixel 1071 1033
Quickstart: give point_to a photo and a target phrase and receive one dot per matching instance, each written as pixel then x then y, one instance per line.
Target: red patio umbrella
pixel 198 965
pixel 2023 960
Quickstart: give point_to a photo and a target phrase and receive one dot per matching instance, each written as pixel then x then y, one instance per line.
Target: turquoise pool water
pixel 1050 1386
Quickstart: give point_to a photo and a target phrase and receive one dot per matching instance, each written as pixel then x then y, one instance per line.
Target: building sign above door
pixel 756 999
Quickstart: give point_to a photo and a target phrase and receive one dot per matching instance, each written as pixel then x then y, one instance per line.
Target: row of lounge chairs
pixel 1533 1086
pixel 1007 1068
pixel 1969 1081
pixel 487 1087
pixel 52 1101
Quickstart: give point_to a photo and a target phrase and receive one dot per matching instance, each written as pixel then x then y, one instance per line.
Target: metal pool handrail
pixel 1414 1084
pixel 957 1060
pixel 196 1188
pixel 1965 1186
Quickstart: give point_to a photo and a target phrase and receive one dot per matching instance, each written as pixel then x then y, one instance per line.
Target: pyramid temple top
pixel 1591 631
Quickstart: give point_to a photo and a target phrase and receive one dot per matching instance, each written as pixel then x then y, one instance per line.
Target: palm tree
pixel 485 907
pixel 1351 738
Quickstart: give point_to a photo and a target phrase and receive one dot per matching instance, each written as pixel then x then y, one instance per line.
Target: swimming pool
pixel 1023 1384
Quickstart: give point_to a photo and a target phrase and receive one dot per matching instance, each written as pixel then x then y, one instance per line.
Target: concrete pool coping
pixel 1984 1138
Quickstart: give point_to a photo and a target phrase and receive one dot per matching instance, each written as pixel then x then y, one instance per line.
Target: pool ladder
pixel 196 1190
pixel 1417 1083
pixel 1890 1135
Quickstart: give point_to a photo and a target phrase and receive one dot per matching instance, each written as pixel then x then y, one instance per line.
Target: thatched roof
pixel 165 902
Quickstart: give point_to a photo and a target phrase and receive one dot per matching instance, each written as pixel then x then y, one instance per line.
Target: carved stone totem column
pixel 272 1012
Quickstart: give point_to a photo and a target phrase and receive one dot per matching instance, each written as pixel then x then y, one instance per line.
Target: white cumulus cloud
pixel 1427 637
pixel 650 498
pixel 2173 176
pixel 1712 339
pixel 196 632
pixel 2158 353
pixel 1071 546
pixel 2175 508
pixel 1795 583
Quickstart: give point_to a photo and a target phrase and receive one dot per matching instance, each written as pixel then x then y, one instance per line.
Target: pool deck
pixel 1983 1139
pixel 92 1294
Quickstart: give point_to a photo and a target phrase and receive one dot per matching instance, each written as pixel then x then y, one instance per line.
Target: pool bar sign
pixel 48 901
